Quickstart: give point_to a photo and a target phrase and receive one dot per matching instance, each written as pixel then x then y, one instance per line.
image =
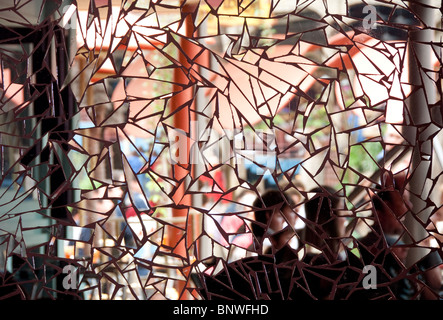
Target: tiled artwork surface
pixel 220 149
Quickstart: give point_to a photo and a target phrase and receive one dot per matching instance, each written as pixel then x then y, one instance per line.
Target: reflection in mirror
pixel 162 150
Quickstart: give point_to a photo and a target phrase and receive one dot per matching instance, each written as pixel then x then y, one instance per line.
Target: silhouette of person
pixel 273 227
pixel 384 248
pixel 268 275
pixel 327 266
pixel 324 227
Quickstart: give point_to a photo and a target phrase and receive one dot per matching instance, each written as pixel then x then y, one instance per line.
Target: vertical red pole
pixel 181 104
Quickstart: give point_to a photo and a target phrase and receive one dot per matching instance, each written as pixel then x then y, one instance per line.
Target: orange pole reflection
pixel 181 104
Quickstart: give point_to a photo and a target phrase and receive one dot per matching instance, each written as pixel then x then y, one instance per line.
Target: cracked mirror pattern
pixel 221 149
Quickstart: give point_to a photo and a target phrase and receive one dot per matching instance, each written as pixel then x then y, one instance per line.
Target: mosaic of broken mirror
pixel 136 137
